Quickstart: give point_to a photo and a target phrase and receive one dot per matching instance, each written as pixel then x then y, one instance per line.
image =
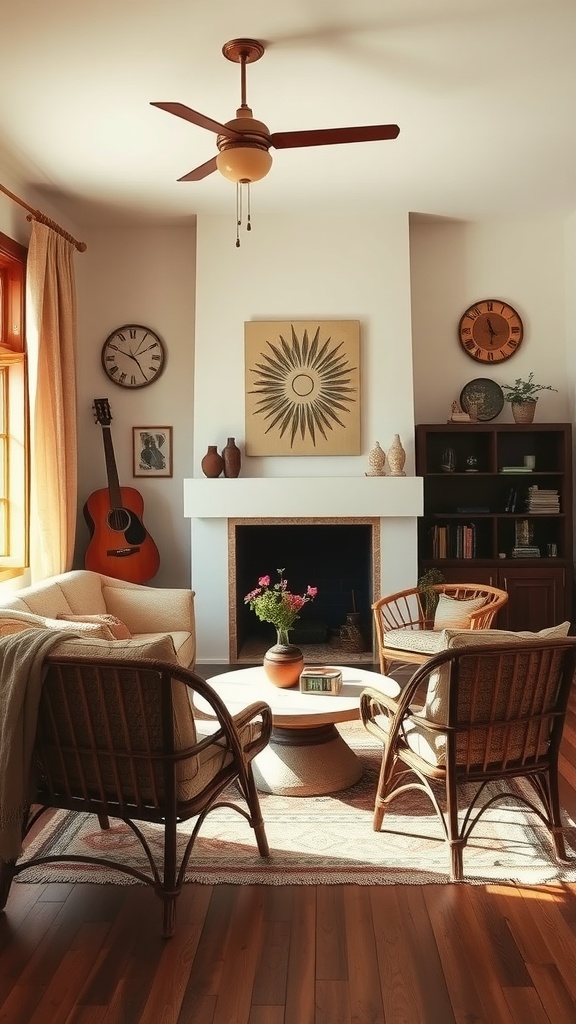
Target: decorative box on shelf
pixel 321 679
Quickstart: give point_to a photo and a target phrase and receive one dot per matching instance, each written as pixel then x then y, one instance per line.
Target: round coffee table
pixel 306 755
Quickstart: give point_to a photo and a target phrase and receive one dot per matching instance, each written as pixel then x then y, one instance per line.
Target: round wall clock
pixel 490 331
pixel 133 356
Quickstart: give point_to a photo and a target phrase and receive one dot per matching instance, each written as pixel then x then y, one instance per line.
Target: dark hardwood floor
pixel 404 954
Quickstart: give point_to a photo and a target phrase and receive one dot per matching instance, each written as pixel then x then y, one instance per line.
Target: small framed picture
pixel 152 451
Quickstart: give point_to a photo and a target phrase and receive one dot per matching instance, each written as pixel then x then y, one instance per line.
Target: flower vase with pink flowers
pixel 275 604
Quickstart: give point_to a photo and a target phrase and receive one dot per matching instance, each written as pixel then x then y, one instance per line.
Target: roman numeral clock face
pixel 490 331
pixel 133 356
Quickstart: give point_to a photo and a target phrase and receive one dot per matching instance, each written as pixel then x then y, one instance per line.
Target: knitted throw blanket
pixel 21 675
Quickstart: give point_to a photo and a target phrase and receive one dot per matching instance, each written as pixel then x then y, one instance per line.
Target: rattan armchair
pixel 404 624
pixel 491 712
pixel 119 739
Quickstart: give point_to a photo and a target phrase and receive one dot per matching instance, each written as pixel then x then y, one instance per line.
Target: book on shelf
pixel 526 551
pixel 516 469
pixel 473 510
pixel 454 541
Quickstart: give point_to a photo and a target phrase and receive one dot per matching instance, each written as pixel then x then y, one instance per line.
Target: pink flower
pixel 311 592
pixel 264 581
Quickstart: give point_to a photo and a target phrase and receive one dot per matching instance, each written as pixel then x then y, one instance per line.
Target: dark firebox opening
pixel 337 559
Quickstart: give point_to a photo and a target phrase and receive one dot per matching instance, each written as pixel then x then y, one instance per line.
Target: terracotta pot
pixel 212 463
pixel 232 458
pixel 283 664
pixel 523 412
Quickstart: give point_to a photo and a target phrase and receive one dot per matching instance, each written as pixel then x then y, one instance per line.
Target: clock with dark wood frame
pixel 133 356
pixel 490 331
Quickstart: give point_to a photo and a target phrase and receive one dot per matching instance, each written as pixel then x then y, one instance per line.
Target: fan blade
pixel 200 172
pixel 180 110
pixel 334 136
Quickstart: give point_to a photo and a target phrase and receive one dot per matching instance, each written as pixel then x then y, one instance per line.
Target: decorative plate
pixel 485 394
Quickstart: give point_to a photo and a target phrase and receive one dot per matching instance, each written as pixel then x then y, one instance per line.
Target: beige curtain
pixel 51 340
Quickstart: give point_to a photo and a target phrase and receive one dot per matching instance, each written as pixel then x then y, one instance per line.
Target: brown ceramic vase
pixel 232 458
pixel 212 463
pixel 283 664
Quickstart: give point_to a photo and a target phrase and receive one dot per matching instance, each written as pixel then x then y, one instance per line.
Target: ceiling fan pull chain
pixel 238 212
pixel 248 224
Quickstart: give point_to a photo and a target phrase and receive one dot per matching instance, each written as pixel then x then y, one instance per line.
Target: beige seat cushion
pixel 419 641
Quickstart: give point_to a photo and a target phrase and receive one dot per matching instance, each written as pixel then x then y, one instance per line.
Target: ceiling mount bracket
pixel 243 50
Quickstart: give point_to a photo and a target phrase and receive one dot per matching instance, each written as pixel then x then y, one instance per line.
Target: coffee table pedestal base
pixel 306 762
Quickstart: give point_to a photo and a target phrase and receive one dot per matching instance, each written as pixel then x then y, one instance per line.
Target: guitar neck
pixel 111 471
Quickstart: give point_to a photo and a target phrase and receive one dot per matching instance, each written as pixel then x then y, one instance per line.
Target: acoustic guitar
pixel 119 546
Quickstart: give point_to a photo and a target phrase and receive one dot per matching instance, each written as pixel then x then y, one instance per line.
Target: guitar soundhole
pixel 119 519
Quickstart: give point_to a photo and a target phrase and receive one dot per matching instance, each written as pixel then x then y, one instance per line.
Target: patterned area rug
pixel 322 840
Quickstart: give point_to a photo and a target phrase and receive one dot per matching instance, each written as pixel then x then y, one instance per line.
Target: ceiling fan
pixel 243 143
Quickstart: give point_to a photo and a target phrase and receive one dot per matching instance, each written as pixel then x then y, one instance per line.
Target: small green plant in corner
pixel 524 390
pixel 429 596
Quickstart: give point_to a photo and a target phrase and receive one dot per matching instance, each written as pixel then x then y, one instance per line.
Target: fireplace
pixel 393 503
pixel 341 557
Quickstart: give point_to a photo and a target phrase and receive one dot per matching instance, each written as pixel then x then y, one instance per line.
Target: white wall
pixel 455 264
pixel 300 267
pixel 145 276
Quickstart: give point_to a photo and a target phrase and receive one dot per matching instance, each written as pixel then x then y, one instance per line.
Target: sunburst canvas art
pixel 302 387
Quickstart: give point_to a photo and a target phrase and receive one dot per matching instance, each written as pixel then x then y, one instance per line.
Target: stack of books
pixel 516 469
pixel 526 551
pixel 542 501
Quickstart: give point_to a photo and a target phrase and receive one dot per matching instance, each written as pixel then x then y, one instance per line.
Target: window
pixel 14 438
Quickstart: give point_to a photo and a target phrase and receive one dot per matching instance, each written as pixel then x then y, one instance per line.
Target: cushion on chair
pixel 420 641
pixel 455 614
pixel 436 706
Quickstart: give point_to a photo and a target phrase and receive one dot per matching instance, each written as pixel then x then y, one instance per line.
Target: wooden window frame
pixel 14 413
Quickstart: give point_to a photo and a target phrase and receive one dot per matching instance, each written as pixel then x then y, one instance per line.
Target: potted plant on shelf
pixel 523 395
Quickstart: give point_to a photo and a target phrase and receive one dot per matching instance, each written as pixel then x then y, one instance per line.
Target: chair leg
pixel 104 821
pixel 455 841
pixel 7 873
pixel 168 915
pixel 554 814
pixel 256 819
pixel 379 802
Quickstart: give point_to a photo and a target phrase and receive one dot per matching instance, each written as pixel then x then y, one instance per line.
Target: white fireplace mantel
pixel 303 497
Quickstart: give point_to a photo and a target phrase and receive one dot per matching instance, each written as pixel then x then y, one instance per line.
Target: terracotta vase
pixel 283 663
pixel 212 463
pixel 396 457
pixel 232 458
pixel 523 412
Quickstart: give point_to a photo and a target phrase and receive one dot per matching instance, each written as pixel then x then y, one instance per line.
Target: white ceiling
pixel 484 92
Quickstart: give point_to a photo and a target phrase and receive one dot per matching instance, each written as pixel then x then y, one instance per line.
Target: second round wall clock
pixel 490 331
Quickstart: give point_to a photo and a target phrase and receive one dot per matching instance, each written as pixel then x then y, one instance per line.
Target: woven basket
pixel 523 412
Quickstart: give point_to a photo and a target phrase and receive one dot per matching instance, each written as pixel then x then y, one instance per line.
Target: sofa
pixel 100 607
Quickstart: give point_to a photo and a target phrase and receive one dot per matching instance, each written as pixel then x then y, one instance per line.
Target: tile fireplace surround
pixel 395 501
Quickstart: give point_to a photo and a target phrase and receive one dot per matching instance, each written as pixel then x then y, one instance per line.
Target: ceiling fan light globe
pixel 244 163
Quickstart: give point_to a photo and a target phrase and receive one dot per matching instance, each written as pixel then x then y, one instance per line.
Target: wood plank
pixel 428 990
pixel 242 954
pixel 552 992
pixel 333 1002
pixel 331 954
pixel 363 969
pixel 301 977
pixel 206 971
pixel 271 973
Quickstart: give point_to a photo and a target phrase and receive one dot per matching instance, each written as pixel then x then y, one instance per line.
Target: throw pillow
pixel 116 627
pixel 454 614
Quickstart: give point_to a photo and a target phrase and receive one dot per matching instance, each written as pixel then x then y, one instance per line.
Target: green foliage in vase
pixel 524 390
pixel 425 584
pixel 276 604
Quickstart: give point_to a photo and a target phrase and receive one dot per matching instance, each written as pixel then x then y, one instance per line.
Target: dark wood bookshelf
pixel 479 523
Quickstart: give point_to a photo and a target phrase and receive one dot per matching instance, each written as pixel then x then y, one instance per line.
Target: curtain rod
pixel 43 219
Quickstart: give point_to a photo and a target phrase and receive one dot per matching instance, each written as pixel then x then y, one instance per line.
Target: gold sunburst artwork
pixel 302 387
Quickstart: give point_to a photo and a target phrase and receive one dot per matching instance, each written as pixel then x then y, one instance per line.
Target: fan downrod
pixel 243 51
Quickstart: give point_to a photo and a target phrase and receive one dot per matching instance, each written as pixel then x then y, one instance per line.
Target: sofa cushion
pixel 116 628
pixel 14 621
pixel 452 613
pixel 420 641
